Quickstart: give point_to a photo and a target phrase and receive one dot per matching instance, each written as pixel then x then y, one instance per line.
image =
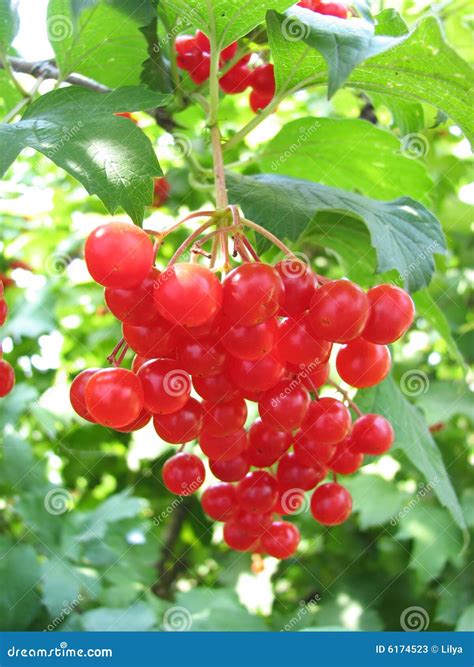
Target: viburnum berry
pixel 372 434
pixel 114 397
pixel 281 539
pixel 237 79
pixel 223 448
pixel 188 294
pixel 312 452
pixel 7 378
pixel 161 191
pixel 293 474
pixel 3 311
pixel 346 459
pixel 259 375
pixel 142 420
pixel 255 523
pixel 266 445
pixel 183 474
pixel 236 537
pixel 363 364
pixel 203 357
pixel 331 504
pixel 313 375
pixel 166 386
pixel 249 342
pixel 252 293
pixel 391 314
pixel 181 426
pixel 297 344
pixel 119 255
pixel 219 501
pixel 221 419
pixel 258 102
pixel 215 388
pixel 232 470
pixel 300 284
pixel 135 305
pixel 336 9
pixel 77 393
pixel 137 362
pixel 328 421
pixel 284 407
pixel 257 492
pixel 152 340
pixel 339 311
pixel 262 80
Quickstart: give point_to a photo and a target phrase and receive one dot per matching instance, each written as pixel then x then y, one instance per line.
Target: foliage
pixel 90 538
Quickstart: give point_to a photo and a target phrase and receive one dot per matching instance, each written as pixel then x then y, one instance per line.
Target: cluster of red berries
pixel 7 374
pixel 264 334
pixel 193 56
pixel 328 8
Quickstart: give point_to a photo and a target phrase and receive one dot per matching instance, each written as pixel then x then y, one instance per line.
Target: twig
pixel 345 395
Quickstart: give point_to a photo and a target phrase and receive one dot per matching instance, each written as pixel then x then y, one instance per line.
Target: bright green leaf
pixel 366 491
pixel 139 617
pixel 9 23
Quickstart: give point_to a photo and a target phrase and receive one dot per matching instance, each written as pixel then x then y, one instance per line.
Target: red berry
pixel 298 345
pixel 7 378
pixel 281 539
pixel 202 358
pixel 236 80
pixel 372 434
pixel 236 537
pixel 332 9
pixel 258 102
pixel 153 340
pixel 186 44
pixel 289 501
pixel 310 451
pixel 339 311
pixel 249 342
pixel 257 492
pixel 263 80
pixel 77 391
pixel 300 284
pixel 202 41
pixel 138 423
pixel 252 293
pixel 201 71
pixel 166 387
pixel 363 364
pixel 138 362
pixel 391 314
pixel 331 504
pixel 215 388
pixel 183 474
pixel 229 52
pixel 346 460
pixel 135 305
pixel 126 114
pixel 259 375
pixel 161 191
pixel 219 501
pixel 114 397
pixel 224 418
pixel 232 470
pixel 313 376
pixel 328 421
pixel 181 426
pixel 292 474
pixel 223 448
pixel 284 407
pixel 119 255
pixel 188 294
pixel 266 445
pixel 3 311
pixel 255 523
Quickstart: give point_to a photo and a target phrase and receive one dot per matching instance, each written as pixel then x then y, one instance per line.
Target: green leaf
pixel 427 307
pixel 367 491
pixel 9 23
pixel 445 400
pixel 409 117
pixel 61 586
pixel 9 95
pixel 343 44
pixel 139 617
pixel 466 622
pixel 100 42
pixel 115 508
pixel 227 19
pixel 19 467
pixel 321 148
pixel 421 67
pixel 19 575
pixel 413 438
pixel 108 154
pixel 404 233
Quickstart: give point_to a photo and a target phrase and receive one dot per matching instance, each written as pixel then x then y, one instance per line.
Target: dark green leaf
pixel 19 575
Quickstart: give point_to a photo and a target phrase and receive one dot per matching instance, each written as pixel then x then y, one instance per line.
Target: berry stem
pixel 271 237
pixel 112 358
pixel 345 395
pixel 190 240
pixel 160 235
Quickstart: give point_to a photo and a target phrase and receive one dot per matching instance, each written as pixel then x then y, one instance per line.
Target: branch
pixel 46 69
